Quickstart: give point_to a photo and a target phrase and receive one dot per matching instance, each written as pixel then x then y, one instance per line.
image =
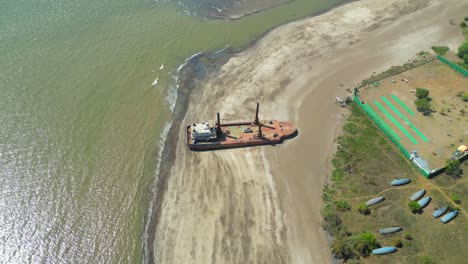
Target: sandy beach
pixel 262 205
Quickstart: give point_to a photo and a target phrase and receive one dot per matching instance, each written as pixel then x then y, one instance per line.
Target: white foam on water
pixel 155 81
pixel 154 189
pixel 171 98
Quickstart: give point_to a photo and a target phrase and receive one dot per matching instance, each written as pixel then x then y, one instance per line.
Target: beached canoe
pixel 439 212
pixel 390 230
pixel 375 201
pixel 399 182
pixel 416 196
pixel 424 202
pixel 384 250
pixel 448 217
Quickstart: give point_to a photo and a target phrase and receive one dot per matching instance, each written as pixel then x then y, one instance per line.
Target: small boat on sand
pixel 439 212
pixel 418 195
pixel 399 182
pixel 384 250
pixel 375 200
pixel 424 202
pixel 390 230
pixel 448 217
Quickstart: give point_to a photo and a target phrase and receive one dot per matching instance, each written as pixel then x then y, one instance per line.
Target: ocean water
pixel 86 92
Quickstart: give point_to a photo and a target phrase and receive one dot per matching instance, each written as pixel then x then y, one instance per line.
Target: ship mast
pixel 218 125
pixel 256 114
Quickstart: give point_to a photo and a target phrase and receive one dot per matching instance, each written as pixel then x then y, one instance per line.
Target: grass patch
pixel 441 50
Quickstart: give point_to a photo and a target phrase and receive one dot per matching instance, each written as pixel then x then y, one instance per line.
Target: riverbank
pixel 261 205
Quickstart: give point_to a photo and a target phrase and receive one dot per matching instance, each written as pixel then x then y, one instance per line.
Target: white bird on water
pixel 162 67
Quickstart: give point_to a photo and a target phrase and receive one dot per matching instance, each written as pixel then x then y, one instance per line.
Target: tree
pixel 363 209
pixel 423 106
pixel 452 168
pixel 462 50
pixel 414 207
pixel 422 93
pixel 364 243
pixel 463 25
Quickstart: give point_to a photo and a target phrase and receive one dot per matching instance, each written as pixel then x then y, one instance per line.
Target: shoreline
pixel 187 82
pixel 278 199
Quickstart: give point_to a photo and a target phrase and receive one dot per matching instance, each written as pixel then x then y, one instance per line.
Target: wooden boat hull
pixel 384 250
pixel 440 212
pixel 418 195
pixel 449 217
pixel 424 202
pixel 399 182
pixel 390 230
pixel 374 201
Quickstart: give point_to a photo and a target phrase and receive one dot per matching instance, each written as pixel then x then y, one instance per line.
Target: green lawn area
pixel 364 165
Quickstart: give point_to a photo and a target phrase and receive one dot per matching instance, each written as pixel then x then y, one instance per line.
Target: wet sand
pixel 262 205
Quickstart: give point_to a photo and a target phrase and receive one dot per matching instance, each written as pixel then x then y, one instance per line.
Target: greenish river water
pixel 81 124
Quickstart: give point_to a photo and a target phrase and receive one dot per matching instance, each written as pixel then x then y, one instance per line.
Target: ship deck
pixel 237 135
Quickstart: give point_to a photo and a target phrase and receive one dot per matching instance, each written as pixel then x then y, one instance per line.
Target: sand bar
pixel 262 205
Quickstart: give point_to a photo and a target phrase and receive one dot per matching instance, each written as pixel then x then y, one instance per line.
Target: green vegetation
pixel 456 198
pixel 364 243
pixel 463 96
pixel 441 50
pixel 463 54
pixel 342 205
pixel 397 69
pixel 465 19
pixel 424 106
pixel 367 162
pixel 423 103
pixel 426 260
pixel 422 93
pixel 414 207
pixel 407 236
pixel 453 168
pixel 363 209
pixel 463 25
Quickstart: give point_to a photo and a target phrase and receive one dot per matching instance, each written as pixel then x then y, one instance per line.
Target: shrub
pixel 466 19
pixel 462 50
pixel 397 242
pixel 341 247
pixel 407 236
pixel 426 260
pixel 422 93
pixel 364 243
pixel 331 218
pixel 463 24
pixel 414 207
pixel 343 205
pixel 441 50
pixel 456 198
pixel 363 209
pixel 452 168
pixel 465 97
pixel 424 106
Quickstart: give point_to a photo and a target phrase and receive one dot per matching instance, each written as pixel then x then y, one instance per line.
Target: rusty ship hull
pixel 233 135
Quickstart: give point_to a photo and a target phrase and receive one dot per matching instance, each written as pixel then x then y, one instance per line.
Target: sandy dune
pixel 262 205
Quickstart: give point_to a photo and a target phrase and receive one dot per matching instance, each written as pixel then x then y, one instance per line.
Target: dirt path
pixel 262 205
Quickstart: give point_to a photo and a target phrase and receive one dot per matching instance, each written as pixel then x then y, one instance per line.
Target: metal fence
pixel 453 66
